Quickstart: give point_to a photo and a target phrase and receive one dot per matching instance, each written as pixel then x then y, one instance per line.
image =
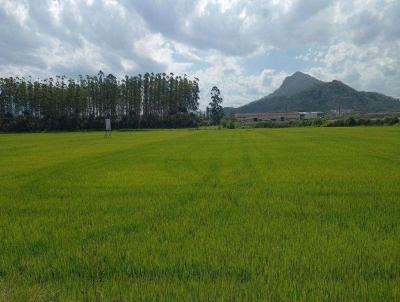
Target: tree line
pixel 60 103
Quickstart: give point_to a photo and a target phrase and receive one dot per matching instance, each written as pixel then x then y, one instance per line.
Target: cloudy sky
pixel 246 47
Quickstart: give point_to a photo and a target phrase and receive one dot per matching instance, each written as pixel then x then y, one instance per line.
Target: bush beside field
pixel 232 123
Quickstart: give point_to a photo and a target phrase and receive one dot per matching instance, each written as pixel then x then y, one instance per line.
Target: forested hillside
pixel 148 101
pixel 301 92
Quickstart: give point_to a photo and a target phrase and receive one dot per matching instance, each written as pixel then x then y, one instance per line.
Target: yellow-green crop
pixel 306 214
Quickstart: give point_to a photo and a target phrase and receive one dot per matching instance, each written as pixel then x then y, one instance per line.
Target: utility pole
pixel 339 104
pixel 286 108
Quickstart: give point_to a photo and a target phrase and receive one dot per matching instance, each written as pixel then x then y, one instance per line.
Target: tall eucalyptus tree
pixel 61 103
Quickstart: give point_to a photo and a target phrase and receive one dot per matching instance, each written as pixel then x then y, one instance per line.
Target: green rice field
pixel 300 214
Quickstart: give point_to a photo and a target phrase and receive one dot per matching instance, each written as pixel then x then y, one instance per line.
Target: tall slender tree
pixel 60 103
pixel 215 106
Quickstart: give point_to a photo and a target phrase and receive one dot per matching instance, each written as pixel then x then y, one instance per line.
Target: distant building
pixel 248 118
pixel 311 115
pixel 341 112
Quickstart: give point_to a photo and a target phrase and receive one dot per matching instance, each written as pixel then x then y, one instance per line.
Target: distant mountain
pixel 296 83
pixel 301 92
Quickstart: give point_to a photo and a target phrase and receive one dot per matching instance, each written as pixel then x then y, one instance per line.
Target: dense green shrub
pixel 351 122
pixel 342 122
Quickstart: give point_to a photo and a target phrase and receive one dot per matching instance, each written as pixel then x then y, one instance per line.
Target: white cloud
pixel 369 67
pixel 353 41
pixel 237 87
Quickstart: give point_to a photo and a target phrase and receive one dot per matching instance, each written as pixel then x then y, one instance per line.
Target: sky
pixel 245 47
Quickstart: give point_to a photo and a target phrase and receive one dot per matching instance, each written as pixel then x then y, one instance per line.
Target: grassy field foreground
pixel 269 214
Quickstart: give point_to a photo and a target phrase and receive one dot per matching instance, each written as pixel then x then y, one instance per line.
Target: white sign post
pixel 108 128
